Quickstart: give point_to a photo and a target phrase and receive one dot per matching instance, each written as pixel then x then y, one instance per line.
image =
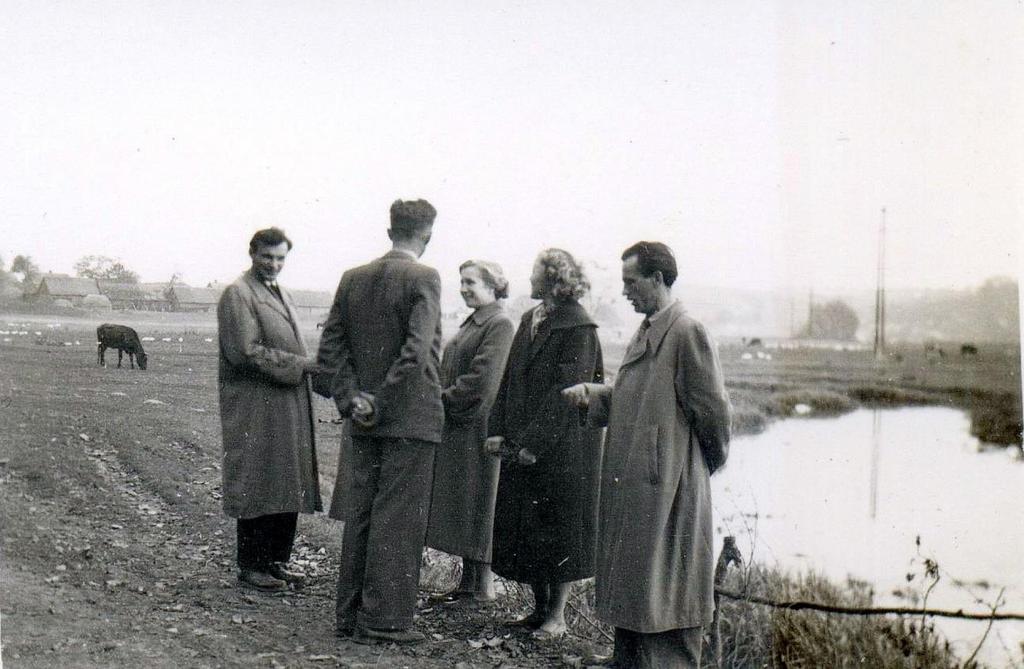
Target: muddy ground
pixel 115 549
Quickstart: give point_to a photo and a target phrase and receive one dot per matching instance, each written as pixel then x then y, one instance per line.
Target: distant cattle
pixel 124 339
pixel 968 349
pixel 933 352
pixel 753 341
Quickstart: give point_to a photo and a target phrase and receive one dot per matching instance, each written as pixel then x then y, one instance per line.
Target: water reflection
pixel 876 437
pixel 798 492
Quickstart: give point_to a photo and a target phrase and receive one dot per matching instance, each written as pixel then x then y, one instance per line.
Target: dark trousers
pixel 385 526
pixel 264 540
pixel 674 649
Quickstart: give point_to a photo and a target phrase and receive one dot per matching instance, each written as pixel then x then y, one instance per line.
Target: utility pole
pixel 811 332
pixel 880 293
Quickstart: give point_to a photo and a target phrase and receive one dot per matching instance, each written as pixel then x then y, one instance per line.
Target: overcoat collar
pixel 655 333
pixel 264 294
pixel 564 315
pixel 484 313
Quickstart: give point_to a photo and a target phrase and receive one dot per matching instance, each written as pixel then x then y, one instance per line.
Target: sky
pixel 760 140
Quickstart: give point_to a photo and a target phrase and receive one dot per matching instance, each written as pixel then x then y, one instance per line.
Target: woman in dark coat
pixel 545 521
pixel 465 478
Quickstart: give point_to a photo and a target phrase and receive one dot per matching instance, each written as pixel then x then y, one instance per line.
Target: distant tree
pixel 995 307
pixel 23 265
pixel 834 320
pixel 103 267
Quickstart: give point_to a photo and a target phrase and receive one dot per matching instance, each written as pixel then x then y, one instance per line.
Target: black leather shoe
pixel 280 571
pixel 369 635
pixel 261 580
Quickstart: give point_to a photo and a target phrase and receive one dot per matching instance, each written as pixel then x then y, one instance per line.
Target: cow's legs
pixel 131 359
pixel 120 353
pixel 100 349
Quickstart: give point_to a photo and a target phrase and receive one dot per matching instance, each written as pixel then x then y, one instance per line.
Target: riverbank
pixel 798 383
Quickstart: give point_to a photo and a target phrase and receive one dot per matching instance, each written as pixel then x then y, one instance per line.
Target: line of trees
pixel 23 274
pixel 104 267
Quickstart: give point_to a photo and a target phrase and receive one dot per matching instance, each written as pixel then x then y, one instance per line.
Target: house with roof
pixel 311 303
pixel 136 296
pixel 63 287
pixel 187 298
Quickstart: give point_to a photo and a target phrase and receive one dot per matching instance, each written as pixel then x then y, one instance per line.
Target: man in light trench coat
pixel 668 419
pixel 270 469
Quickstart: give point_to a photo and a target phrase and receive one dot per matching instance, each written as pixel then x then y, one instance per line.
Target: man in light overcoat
pixel 270 469
pixel 383 339
pixel 668 418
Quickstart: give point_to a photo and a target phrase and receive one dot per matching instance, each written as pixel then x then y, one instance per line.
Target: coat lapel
pixel 635 352
pixel 656 333
pixel 537 343
pixel 289 305
pixel 266 297
pixel 651 340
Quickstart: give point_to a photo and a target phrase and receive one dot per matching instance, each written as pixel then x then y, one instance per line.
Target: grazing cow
pixel 968 349
pixel 755 341
pixel 124 339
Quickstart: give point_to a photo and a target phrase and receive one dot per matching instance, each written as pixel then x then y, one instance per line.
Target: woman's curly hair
pixel 563 276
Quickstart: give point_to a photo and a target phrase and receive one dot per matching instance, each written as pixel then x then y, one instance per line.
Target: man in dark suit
pixel 383 336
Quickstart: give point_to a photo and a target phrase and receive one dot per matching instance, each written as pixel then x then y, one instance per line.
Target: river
pixel 849 496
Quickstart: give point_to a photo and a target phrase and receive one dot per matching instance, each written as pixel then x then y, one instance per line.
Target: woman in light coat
pixel 465 478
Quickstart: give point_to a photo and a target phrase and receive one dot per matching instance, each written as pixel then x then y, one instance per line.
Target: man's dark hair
pixel 410 216
pixel 268 237
pixel 654 257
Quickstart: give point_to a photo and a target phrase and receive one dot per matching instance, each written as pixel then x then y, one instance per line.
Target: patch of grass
pixel 996 418
pixel 821 402
pixel 891 396
pixel 759 636
pixel 749 421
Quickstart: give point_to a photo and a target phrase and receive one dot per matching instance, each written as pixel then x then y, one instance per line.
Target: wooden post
pixel 730 553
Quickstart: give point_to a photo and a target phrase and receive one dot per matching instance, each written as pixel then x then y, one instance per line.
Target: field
pixel 116 553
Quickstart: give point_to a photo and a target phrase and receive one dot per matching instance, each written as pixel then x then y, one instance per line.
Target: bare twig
pixel 800 605
pixel 931 569
pixel 988 628
pixel 593 624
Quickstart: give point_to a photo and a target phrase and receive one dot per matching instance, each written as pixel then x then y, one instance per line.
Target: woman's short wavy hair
pixel 563 277
pixel 491 273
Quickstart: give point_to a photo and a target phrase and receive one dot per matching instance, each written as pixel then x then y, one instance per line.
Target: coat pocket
pixel 653 455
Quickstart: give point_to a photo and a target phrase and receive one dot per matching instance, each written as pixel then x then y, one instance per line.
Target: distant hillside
pixel 988 313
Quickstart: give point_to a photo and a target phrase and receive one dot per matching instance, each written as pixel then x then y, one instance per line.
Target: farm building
pixel 136 296
pixel 63 287
pixel 312 303
pixel 186 298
